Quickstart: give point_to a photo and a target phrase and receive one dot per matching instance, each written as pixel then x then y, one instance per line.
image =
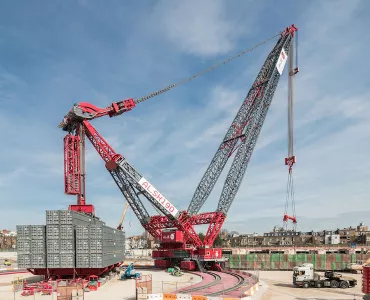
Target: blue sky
pixel 53 54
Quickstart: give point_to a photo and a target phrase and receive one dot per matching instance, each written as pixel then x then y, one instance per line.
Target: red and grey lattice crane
pixel 241 138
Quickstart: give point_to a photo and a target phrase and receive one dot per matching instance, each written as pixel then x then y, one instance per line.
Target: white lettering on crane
pixel 281 61
pixel 167 205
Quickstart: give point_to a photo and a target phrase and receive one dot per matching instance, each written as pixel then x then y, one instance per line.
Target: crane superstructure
pixel 175 228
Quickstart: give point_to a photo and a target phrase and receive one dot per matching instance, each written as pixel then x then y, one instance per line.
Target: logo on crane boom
pixel 281 61
pixel 167 205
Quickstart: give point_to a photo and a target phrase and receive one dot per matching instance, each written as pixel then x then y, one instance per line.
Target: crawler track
pixel 202 287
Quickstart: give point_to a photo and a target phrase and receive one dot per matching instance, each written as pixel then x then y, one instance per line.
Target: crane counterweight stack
pixel 174 227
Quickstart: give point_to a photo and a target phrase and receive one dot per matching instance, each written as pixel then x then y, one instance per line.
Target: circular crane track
pixel 241 281
pixel 198 288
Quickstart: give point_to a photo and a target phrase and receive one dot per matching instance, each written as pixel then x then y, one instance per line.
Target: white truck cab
pixel 302 273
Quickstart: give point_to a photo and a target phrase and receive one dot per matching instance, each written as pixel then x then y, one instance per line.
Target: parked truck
pixel 305 276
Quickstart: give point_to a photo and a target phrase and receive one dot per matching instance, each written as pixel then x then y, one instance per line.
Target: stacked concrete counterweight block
pixel 61 240
pixel 31 250
pixel 69 240
pixel 98 246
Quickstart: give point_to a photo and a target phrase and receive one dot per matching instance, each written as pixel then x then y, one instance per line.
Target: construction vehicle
pixel 357 266
pixel 130 273
pixel 175 271
pixel 174 227
pixel 304 276
pixel 7 262
pixel 93 283
pixel 119 227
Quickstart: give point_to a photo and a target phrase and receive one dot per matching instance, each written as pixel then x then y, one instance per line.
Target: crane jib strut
pixel 241 138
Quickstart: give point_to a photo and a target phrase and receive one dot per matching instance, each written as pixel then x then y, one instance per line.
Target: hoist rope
pixel 224 62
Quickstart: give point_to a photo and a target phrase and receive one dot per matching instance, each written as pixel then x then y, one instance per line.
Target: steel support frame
pixel 74 169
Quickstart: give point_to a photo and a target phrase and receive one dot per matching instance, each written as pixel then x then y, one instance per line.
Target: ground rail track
pixel 241 281
pixel 202 287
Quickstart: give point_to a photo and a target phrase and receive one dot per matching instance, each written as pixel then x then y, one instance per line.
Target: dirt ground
pixel 163 282
pixel 277 285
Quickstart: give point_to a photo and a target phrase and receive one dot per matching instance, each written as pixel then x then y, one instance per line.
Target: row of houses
pixel 280 237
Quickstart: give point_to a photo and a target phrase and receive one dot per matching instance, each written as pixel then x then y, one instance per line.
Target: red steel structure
pixel 241 138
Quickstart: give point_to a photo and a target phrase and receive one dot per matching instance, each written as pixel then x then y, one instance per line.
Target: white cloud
pixel 198 27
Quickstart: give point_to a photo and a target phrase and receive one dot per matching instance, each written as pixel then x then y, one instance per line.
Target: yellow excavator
pixel 7 262
pixel 123 216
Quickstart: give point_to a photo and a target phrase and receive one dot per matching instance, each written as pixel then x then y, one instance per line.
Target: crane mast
pixel 241 138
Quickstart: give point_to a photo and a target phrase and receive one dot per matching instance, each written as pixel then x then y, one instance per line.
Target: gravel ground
pixel 277 285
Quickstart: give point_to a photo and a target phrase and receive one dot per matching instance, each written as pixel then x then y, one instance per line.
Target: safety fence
pixel 192 297
pixel 33 288
pixel 288 261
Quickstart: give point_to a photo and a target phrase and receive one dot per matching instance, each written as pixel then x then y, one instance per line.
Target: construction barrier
pixel 288 261
pixel 10 269
pixel 189 297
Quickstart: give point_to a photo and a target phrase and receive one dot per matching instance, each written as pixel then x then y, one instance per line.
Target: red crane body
pixel 241 138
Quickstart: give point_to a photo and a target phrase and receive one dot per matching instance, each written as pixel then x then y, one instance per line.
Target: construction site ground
pixel 114 289
pixel 277 285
